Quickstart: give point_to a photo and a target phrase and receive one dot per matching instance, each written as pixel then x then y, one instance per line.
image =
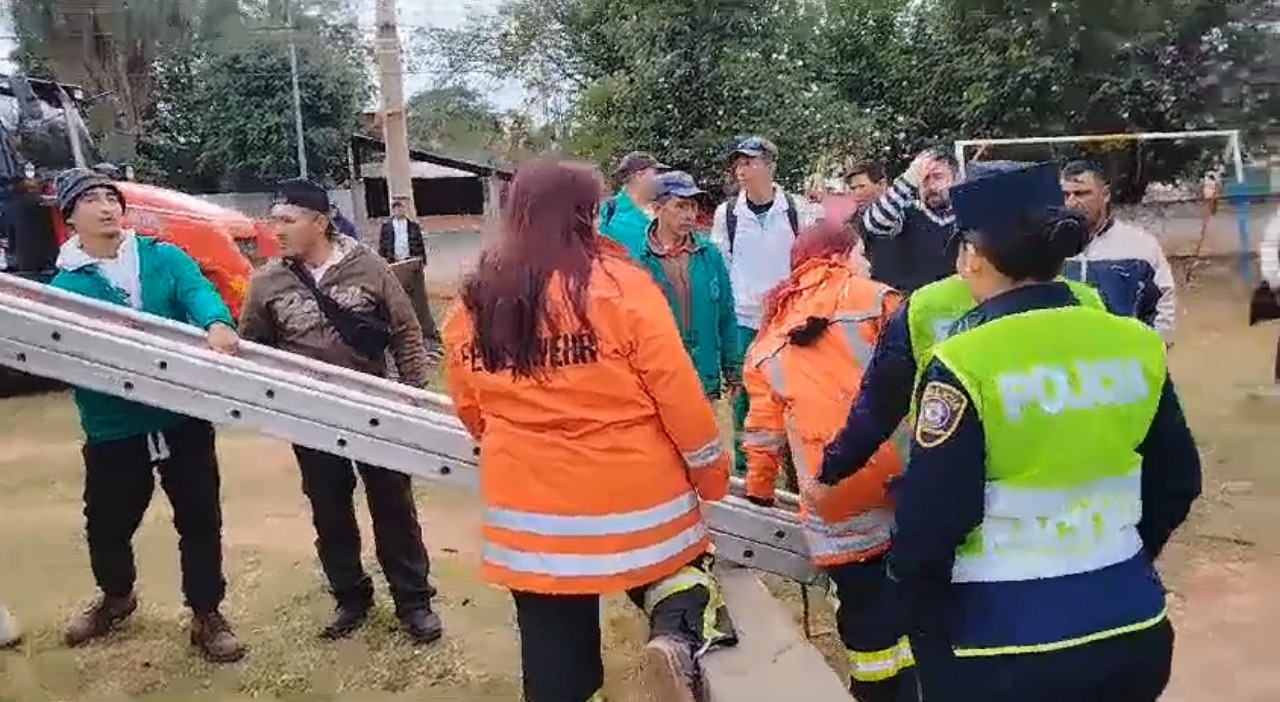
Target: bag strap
pixel 793 215
pixel 332 311
pixel 730 223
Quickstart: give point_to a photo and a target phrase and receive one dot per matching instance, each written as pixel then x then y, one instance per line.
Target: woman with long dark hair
pixel 596 442
pixel 802 374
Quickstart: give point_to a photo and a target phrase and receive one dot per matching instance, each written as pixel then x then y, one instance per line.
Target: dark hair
pixel 548 230
pixel 1047 238
pixel 943 154
pixel 871 168
pixel 1082 166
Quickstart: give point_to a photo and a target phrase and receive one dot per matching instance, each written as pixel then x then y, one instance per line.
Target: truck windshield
pixel 39 132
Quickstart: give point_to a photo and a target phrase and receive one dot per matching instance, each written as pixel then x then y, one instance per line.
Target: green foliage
pixel 205 86
pixel 881 78
pixel 454 119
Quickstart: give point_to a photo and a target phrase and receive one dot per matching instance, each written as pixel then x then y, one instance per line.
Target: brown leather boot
pixel 102 616
pixel 211 633
pixel 671 674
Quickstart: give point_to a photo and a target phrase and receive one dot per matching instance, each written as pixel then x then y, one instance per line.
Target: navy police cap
pixel 995 200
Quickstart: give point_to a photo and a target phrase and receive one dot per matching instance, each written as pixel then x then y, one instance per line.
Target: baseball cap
pixel 754 146
pixel 635 162
pixel 677 184
pixel 994 204
pixel 303 193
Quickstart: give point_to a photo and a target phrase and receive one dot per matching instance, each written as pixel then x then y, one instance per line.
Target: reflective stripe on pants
pixel 881 666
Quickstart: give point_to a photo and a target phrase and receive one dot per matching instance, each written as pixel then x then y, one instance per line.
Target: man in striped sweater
pixel 911 228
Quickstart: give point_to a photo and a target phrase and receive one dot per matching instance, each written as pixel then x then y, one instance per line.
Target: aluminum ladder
pixel 119 351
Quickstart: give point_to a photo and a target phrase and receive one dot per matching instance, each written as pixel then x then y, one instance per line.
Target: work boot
pixel 347 619
pixel 10 632
pixel 211 633
pixel 102 616
pixel 422 625
pixel 670 672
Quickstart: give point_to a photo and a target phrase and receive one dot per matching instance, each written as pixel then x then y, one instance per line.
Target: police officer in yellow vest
pixel 930 315
pixel 1050 464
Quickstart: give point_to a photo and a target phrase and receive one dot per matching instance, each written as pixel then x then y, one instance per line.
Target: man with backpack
pixel 625 217
pixel 754 232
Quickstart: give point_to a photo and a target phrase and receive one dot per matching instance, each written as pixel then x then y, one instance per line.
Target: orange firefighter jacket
pixel 800 396
pixel 591 475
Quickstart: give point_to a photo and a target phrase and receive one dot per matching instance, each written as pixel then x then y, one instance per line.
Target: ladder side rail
pixel 724 523
pixel 785 499
pixel 268 361
pixel 762 557
pixel 230 412
pixel 745 521
pixel 65 325
pixel 211 374
pixel 119 316
pixel 774 528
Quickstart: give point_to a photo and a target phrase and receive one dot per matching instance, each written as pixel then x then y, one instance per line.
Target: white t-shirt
pixel 401 228
pixel 317 273
pixel 124 271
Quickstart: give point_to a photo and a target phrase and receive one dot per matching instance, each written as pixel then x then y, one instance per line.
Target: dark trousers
pixel 329 483
pixel 1130 668
pixel 560 657
pixel 1276 373
pixel 412 277
pixel 881 667
pixel 118 484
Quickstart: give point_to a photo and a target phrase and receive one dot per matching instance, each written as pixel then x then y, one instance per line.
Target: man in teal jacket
pixel 127 443
pixel 693 276
pixel 626 216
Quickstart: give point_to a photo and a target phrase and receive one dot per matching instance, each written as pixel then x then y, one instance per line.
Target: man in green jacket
pixel 626 216
pixel 126 443
pixel 693 276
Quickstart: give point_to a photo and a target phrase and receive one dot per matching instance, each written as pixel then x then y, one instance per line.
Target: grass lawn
pixel 277 600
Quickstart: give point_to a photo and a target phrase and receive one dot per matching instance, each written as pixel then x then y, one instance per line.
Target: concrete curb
pixel 772 661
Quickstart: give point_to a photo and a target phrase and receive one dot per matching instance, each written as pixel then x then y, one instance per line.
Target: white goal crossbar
pixel 1233 152
pixel 1233 146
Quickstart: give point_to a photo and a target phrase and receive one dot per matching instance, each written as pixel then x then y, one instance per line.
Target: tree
pixel 452 118
pixel 106 46
pixel 997 68
pixel 226 117
pixel 683 79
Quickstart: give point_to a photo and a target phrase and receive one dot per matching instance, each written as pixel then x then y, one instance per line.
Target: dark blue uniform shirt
pixel 884 398
pixel 940 498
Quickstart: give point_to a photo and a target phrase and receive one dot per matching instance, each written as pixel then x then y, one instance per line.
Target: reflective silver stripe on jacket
pixel 573 565
pixel 604 525
pixel 543 524
pixel 864 531
pixel 705 456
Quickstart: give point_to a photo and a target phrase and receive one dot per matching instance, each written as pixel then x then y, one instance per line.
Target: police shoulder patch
pixel 941 407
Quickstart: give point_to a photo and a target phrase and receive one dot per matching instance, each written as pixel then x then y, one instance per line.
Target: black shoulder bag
pixel 368 335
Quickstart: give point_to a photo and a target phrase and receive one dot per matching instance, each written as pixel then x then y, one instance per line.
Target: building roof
pixel 361 143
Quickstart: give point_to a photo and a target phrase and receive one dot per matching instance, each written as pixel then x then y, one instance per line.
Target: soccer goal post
pixel 1232 158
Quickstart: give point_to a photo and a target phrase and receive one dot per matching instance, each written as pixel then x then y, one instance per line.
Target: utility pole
pixel 395 127
pixel 297 93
